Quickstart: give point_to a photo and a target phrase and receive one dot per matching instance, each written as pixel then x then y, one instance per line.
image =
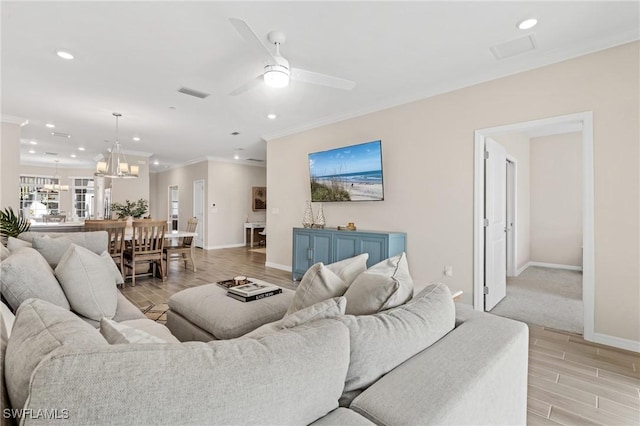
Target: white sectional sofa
pixel 426 361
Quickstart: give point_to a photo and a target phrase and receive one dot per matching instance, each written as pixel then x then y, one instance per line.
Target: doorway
pixel 198 211
pixel 174 207
pixel 582 122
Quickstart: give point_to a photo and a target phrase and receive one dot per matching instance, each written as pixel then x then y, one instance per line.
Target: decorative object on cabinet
pixel 307 219
pixel 116 165
pixel 259 198
pixel 329 245
pixel 320 220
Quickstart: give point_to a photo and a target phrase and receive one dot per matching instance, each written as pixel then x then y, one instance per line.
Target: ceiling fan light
pixel 276 76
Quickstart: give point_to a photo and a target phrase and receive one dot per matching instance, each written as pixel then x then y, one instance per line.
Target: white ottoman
pixel 206 313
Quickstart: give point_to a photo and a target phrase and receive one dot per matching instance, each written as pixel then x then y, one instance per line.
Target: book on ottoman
pixel 252 289
pixel 258 296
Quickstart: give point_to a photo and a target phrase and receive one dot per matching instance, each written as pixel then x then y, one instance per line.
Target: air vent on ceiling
pixel 51 153
pixel 514 47
pixel 256 160
pixel 60 134
pixel 193 92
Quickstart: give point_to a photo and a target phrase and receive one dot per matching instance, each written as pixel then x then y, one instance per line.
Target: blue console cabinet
pixel 328 245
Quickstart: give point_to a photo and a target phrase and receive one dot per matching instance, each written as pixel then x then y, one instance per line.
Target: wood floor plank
pixel 631 381
pixel 595 361
pixel 559 366
pixel 543 373
pixel 534 419
pixel 629 399
pixel 632 415
pixel 566 417
pixel 567 346
pixel 534 347
pixel 575 394
pixel 538 407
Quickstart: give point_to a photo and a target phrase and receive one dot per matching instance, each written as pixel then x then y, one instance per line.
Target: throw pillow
pixel 4 252
pixel 39 330
pixel 88 283
pixel 15 243
pixel 116 333
pixel 326 309
pixel 349 269
pixel 25 274
pixel 117 276
pixel 322 282
pixel 382 341
pixel 52 249
pixel 383 286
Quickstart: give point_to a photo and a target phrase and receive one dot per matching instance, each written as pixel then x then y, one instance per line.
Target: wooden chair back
pixel 115 230
pixel 192 224
pixel 148 236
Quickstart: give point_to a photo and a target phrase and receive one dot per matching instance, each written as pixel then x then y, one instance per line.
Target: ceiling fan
pixel 277 71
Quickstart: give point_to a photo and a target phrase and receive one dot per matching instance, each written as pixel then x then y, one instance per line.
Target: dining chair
pixel 147 242
pixel 184 247
pixel 116 238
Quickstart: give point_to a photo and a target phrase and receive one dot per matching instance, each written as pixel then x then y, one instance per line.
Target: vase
pixel 307 219
pixel 320 220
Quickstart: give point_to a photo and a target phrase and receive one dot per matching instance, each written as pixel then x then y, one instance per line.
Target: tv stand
pixel 328 245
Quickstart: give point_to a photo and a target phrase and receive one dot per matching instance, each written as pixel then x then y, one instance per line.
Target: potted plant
pixel 134 209
pixel 12 225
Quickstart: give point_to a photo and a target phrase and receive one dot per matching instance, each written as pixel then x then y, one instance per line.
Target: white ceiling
pixel 131 57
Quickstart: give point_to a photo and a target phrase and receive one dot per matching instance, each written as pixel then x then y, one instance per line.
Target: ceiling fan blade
pixel 321 79
pixel 251 84
pixel 250 37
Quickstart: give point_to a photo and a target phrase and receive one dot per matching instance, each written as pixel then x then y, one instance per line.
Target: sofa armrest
pixel 476 374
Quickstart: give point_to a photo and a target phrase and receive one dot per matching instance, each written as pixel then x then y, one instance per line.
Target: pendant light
pixel 116 166
pixel 55 187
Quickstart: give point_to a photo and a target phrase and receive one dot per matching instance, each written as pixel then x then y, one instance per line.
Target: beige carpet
pixel 262 250
pixel 157 313
pixel 546 297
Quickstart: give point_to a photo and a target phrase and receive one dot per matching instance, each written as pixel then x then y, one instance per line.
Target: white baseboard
pixel 278 266
pixel 224 246
pixel 548 265
pixel 616 342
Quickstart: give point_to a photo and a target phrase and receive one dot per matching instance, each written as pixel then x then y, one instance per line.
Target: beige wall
pixel 10 171
pixel 517 146
pixel 230 190
pixel 428 149
pixel 131 189
pixel 556 199
pixel 183 177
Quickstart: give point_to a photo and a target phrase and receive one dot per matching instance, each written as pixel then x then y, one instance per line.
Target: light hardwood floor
pixel 571 381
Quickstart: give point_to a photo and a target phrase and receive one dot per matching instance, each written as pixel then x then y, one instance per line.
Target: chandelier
pixel 116 166
pixel 53 186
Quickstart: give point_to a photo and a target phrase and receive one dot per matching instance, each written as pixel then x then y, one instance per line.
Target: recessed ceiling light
pixel 527 23
pixel 33 142
pixel 135 138
pixel 156 162
pixel 81 148
pixel 51 126
pixel 32 151
pixel 271 116
pixel 64 55
pixel 236 157
pixel 73 156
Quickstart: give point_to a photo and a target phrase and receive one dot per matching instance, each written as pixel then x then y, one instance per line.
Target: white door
pixel 511 219
pixel 198 211
pixel 495 269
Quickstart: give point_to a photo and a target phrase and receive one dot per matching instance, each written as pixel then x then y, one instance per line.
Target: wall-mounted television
pixel 350 173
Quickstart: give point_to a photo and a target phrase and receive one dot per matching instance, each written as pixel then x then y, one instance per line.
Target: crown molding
pixel 12 119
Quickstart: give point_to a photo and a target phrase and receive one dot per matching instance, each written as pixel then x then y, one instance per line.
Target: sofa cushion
pixel 88 283
pixel 16 243
pixel 52 249
pixel 39 329
pixel 6 323
pixel 4 252
pixel 382 341
pixel 25 274
pixel 124 311
pixel 293 377
pixel 322 282
pixel 115 272
pixel 383 286
pixel 135 331
pixel 343 416
pixel 326 309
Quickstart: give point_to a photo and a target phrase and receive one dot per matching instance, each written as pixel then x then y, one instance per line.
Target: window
pixel 83 197
pixel 36 202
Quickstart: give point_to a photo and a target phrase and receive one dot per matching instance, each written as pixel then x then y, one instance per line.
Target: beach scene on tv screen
pixel 351 173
